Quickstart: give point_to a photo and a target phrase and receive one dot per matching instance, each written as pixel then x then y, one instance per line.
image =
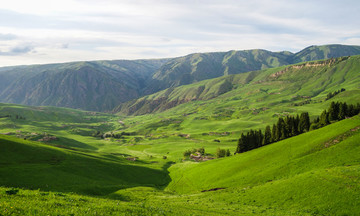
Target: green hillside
pixel 228 102
pixel 316 173
pixel 324 52
pixel 32 165
pixel 282 160
pixel 201 66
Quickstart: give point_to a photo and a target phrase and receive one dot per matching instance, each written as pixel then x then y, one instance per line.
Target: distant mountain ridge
pixel 97 86
pixel 103 85
pixel 200 66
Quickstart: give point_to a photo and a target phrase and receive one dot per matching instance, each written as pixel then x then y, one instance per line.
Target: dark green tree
pixel 201 150
pixel 228 153
pixel 304 124
pixel 351 110
pixel 343 111
pixel 324 118
pixel 273 134
pixel 187 153
pixel 220 153
pixel 242 144
pixel 334 111
pixel 280 129
pixel 267 136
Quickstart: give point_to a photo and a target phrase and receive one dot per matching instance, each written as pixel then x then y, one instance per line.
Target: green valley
pixel 142 157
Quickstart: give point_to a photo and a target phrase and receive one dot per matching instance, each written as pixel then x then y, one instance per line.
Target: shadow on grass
pixel 49 169
pixel 89 177
pixel 63 142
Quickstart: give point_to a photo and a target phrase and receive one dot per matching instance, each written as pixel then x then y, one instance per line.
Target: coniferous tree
pixel 267 136
pixel 316 120
pixel 259 138
pixel 351 110
pixel 324 118
pixel 283 131
pixel 251 139
pixel 242 144
pixel 227 154
pixel 334 111
pixel 296 124
pixel 290 126
pixel 220 153
pixel 279 129
pixel 304 124
pixel 273 134
pixel 343 111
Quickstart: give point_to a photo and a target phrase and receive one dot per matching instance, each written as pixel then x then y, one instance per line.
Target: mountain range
pixel 105 85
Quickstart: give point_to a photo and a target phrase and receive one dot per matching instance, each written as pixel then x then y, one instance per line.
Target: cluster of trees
pixel 292 126
pixel 284 128
pixel 222 153
pixel 188 152
pixel 110 134
pixel 332 94
pixel 337 111
pixel 20 117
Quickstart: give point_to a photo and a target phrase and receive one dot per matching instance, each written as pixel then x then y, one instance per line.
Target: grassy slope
pixel 34 165
pixel 281 160
pixel 256 99
pixel 297 176
pixel 299 172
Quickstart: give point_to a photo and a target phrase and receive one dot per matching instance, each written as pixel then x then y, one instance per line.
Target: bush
pixel 201 150
pixel 220 153
pixel 12 191
pixel 228 153
pixel 187 153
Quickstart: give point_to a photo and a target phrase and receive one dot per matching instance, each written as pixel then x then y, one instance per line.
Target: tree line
pixel 332 94
pixel 337 111
pixel 111 134
pixel 294 125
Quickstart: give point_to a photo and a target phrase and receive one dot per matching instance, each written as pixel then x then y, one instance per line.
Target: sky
pixel 52 31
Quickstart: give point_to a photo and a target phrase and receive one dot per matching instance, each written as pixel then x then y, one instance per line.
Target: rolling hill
pixel 34 165
pixel 316 173
pixel 291 84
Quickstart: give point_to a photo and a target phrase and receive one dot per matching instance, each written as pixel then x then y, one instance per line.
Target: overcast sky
pixel 47 31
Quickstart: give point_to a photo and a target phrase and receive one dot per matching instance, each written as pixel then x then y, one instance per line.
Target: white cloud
pixel 72 30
